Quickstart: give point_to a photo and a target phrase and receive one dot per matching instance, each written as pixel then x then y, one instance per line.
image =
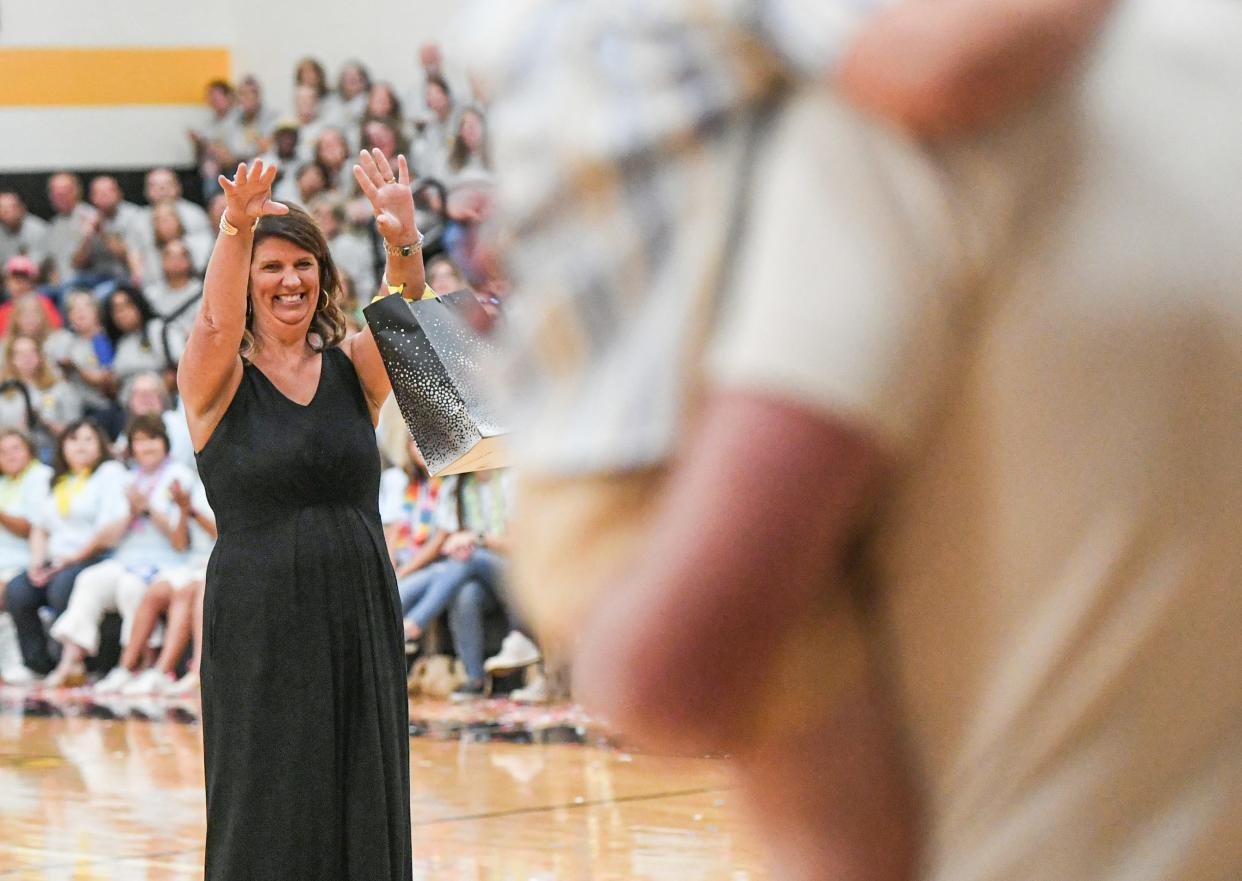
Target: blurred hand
pixel 40 576
pixel 469 205
pixel 358 211
pixel 460 545
pixel 940 67
pixel 138 503
pixel 179 495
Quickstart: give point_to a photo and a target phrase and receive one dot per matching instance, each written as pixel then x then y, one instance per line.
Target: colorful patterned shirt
pixel 410 506
pixel 622 134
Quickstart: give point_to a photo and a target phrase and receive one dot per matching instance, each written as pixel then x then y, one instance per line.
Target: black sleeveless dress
pixel 305 721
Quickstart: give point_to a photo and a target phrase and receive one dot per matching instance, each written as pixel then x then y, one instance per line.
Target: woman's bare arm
pixel 18 526
pixel 210 369
pixel 392 201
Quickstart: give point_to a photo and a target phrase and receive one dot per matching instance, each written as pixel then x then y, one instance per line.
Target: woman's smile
pixel 288 277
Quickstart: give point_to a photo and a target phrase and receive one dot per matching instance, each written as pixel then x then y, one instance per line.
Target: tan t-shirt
pixel 1044 328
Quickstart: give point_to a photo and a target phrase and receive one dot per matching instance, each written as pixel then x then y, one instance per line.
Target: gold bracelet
pixel 228 229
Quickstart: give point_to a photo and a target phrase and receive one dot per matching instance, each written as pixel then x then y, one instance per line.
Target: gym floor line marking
pixel 593 803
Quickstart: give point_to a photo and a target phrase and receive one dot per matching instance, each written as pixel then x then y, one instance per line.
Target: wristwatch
pixel 404 250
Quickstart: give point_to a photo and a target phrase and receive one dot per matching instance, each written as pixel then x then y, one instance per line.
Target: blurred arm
pixel 943 67
pixel 754 522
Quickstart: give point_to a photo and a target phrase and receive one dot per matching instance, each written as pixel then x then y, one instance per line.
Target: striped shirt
pixel 622 134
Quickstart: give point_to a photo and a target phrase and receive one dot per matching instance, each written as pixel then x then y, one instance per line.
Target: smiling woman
pixel 303 678
pixel 290 263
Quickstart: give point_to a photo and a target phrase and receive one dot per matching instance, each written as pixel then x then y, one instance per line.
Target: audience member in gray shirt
pixel 71 224
pixel 175 297
pixel 20 231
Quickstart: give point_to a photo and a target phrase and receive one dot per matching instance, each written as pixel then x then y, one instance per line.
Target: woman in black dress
pixel 303 680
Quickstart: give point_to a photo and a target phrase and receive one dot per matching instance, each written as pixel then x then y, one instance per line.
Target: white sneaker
pixel 148 682
pixel 537 692
pixel 114 683
pixel 186 686
pixel 516 652
pixel 17 675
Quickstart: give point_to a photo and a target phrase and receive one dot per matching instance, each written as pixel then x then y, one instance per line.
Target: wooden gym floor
pixel 92 792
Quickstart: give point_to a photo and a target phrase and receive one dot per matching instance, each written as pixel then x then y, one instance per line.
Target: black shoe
pixel 471 690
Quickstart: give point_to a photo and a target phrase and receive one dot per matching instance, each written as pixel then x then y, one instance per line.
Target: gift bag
pixel 436 360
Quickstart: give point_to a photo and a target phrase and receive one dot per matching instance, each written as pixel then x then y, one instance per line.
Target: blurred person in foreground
pixel 944 555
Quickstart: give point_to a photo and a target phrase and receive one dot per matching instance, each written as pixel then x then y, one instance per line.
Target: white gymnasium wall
pixel 80 128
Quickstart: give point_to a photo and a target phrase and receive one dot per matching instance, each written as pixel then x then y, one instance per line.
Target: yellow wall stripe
pixel 44 77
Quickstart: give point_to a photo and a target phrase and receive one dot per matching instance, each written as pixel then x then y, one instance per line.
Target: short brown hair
pixel 148 425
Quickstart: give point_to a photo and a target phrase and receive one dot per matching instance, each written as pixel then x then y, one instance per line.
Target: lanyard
pixel 145 484
pixel 11 489
pixel 68 488
pixel 419 506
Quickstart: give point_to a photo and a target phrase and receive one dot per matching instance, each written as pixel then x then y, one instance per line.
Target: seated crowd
pixel 101 509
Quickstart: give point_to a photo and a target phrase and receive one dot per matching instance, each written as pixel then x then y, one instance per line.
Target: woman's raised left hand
pixel 392 200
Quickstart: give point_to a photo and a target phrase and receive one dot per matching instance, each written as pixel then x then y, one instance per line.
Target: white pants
pixel 102 588
pixel 180 578
pixel 10 653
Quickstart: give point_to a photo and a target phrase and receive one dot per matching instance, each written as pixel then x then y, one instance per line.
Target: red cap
pixel 21 265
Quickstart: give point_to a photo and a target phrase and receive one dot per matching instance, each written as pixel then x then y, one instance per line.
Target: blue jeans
pixel 23 601
pixel 481 592
pixel 425 594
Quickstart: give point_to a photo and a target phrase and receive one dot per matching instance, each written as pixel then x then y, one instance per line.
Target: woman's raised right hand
pixel 249 194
